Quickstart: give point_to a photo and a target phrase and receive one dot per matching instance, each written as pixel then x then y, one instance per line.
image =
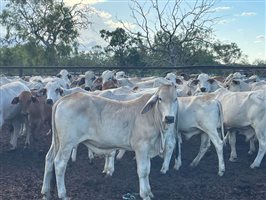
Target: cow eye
pixel 160 99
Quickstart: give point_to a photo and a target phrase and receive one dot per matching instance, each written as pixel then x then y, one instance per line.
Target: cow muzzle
pixel 49 102
pixel 169 119
pixel 203 89
pixel 87 88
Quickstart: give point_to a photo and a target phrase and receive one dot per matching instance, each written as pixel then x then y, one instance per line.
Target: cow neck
pixel 160 126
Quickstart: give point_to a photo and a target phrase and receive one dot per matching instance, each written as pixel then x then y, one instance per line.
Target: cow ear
pixel 81 81
pixel 150 104
pixel 42 92
pixel 60 90
pixel 15 100
pixel 34 99
pixel 178 81
pixel 236 82
pixel 195 82
pixel 211 80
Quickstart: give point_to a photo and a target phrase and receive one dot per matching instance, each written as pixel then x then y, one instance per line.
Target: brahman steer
pixel 105 125
pixel 37 111
pixel 245 110
pixel 200 115
pixel 10 112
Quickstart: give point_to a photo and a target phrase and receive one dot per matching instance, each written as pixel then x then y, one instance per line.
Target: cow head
pixel 65 75
pixel 97 84
pixel 205 84
pixel 53 92
pixel 89 78
pixel 120 74
pixel 109 84
pixel 165 105
pixel 107 76
pixel 25 99
pixel 235 85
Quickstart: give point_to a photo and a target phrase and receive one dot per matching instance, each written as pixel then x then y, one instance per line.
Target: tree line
pixel 45 33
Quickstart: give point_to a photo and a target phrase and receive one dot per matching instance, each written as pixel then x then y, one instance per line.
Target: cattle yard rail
pixel 139 71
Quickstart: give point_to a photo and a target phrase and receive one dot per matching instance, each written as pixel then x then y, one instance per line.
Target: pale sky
pixel 242 22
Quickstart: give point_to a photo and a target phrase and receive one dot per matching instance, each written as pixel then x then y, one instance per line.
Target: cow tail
pixel 221 120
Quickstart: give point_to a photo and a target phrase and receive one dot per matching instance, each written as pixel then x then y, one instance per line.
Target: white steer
pixel 10 112
pixel 105 125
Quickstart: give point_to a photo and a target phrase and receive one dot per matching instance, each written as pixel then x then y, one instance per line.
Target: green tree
pixel 47 22
pixel 126 50
pixel 227 53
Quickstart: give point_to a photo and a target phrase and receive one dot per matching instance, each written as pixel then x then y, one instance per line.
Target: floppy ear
pixel 149 105
pixel 178 81
pixel 195 82
pixel 81 81
pixel 236 82
pixel 211 80
pixel 34 99
pixel 15 100
pixel 60 90
pixel 41 92
pixel 69 76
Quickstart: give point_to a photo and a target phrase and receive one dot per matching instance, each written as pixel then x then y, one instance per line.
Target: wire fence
pixel 137 71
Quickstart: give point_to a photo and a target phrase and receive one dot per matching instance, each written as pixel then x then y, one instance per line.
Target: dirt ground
pixel 21 174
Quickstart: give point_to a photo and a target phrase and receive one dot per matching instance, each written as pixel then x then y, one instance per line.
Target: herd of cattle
pixel 113 112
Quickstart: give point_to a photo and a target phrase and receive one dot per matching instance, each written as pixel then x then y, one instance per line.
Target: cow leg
pixel 14 135
pixel 120 154
pixel 252 147
pixel 60 164
pixel 48 173
pixel 261 136
pixel 170 143
pixel 30 128
pixel 178 159
pixel 143 169
pixel 109 164
pixel 106 160
pixel 232 142
pixel 218 143
pixel 204 146
pixel 91 156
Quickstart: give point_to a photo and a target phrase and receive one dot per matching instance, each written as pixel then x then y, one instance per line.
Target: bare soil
pixel 21 174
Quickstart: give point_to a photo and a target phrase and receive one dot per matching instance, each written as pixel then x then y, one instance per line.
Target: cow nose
pixel 203 89
pixel 87 88
pixel 49 101
pixel 169 119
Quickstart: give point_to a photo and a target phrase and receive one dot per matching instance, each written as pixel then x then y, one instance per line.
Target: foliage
pixel 46 22
pixel 227 53
pixel 126 50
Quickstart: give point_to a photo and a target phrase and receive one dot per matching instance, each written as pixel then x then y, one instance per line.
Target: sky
pixel 240 21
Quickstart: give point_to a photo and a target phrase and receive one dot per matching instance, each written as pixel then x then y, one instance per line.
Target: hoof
pixel 221 173
pixel 193 164
pixel 163 170
pixel 234 159
pixel 253 166
pixel 250 152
